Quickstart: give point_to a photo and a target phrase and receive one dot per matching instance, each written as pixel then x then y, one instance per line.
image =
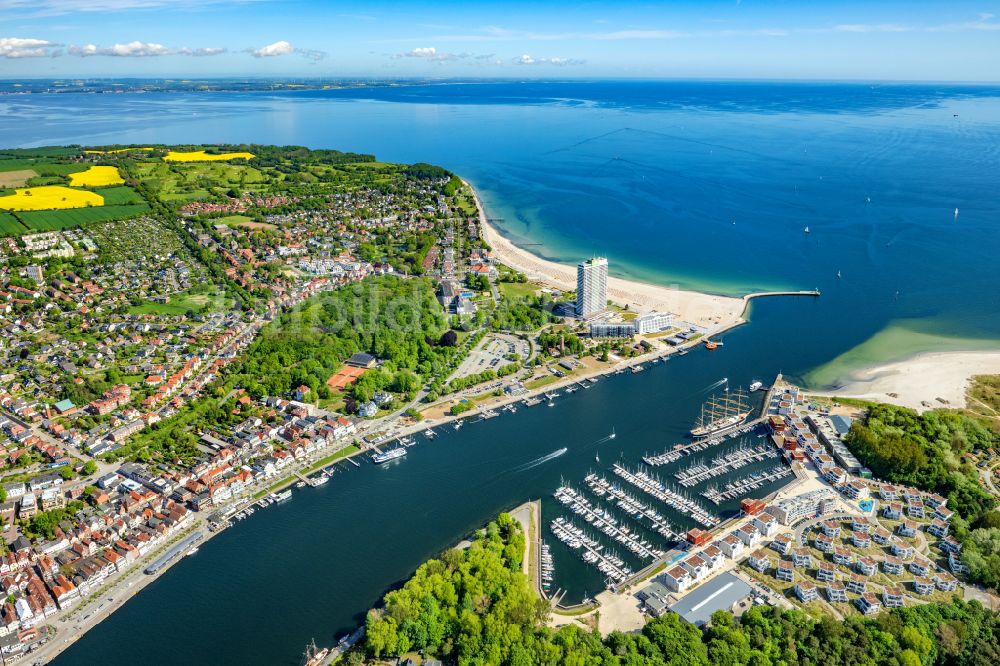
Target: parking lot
pixel 492 354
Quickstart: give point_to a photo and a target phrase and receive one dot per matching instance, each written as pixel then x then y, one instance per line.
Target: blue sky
pixel 815 39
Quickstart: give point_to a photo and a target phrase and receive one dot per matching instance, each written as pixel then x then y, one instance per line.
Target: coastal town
pixel 249 321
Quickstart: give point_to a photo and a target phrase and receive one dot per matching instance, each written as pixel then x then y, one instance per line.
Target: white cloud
pixel 272 50
pixel 283 48
pixel 637 34
pixel 18 47
pixel 137 49
pixel 422 52
pixel 557 61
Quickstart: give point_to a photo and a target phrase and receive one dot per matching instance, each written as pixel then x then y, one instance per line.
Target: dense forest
pixel 475 607
pixel 398 320
pixel 928 452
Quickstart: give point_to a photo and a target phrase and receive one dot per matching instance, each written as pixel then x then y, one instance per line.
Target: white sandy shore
pixel 923 378
pixel 714 312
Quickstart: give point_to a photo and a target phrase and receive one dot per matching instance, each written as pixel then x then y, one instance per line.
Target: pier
pixel 602 520
pixel 681 450
pixel 746 484
pixel 600 487
pixel 574 537
pixel 672 499
pixel 720 465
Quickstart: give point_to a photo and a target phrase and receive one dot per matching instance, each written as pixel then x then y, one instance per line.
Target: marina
pixel 604 521
pixel 600 487
pixel 574 537
pixel 723 464
pixel 681 450
pixel 740 487
pixel 675 500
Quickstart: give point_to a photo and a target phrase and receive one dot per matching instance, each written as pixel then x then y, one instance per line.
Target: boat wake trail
pixel 540 461
pixel 712 387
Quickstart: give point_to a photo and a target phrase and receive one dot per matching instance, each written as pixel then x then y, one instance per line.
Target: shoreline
pixel 928 380
pixel 706 310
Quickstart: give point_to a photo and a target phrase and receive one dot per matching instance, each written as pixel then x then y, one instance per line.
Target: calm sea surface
pixel 704 185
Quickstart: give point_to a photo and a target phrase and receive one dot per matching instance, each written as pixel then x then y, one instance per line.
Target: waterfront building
pixel 654 322
pixel 808 505
pixel 731 546
pixel 612 329
pixel 677 578
pixel 591 286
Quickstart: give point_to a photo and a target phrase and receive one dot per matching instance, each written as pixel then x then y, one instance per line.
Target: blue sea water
pixel 707 185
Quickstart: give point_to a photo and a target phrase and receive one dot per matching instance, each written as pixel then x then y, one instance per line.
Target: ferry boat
pixel 721 414
pixel 320 480
pixel 380 458
pixel 283 495
pixel 756 386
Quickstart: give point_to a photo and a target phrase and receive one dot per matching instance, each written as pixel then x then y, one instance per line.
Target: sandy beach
pixel 713 312
pixel 923 378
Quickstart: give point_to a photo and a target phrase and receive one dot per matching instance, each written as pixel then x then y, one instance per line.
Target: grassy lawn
pixel 540 382
pixel 517 290
pixel 178 305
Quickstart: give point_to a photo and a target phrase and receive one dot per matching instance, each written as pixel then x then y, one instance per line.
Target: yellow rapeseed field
pixel 50 197
pixel 96 176
pixel 202 156
pixel 113 152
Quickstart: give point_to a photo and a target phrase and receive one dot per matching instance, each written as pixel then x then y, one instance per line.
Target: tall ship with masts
pixel 722 413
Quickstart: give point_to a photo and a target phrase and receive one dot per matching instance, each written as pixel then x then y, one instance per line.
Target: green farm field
pixel 53 220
